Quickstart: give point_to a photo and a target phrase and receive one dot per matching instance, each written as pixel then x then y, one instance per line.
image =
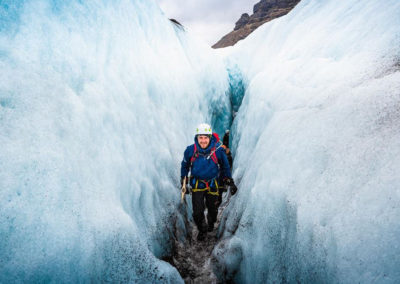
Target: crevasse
pixel 97 103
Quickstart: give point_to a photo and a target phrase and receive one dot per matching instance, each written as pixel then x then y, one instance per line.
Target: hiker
pixel 206 160
pixel 226 147
pixel 225 140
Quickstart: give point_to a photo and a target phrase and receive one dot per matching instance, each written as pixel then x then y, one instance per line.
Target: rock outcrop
pixel 264 11
pixel 244 19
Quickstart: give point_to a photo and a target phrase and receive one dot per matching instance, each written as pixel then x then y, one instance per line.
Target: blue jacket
pixel 203 168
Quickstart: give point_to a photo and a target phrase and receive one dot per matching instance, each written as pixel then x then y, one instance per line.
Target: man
pixel 206 160
pixel 226 147
pixel 230 160
pixel 226 138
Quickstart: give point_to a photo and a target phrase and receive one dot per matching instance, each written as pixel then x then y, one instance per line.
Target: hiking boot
pixel 210 227
pixel 201 236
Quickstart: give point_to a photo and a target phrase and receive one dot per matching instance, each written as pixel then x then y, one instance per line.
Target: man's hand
pixel 187 182
pixel 231 183
pixel 233 189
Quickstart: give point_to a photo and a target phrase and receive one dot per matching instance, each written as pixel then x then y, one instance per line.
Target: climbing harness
pixel 208 184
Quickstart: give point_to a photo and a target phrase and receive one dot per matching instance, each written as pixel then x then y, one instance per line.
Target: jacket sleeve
pixel 185 164
pixel 224 163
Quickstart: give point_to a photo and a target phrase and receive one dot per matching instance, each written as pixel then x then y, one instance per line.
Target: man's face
pixel 203 140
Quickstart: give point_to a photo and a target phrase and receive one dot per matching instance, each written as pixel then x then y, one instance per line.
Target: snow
pixel 98 100
pixel 317 146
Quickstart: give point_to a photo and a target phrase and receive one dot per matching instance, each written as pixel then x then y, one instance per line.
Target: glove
pixel 233 189
pixel 231 183
pixel 228 181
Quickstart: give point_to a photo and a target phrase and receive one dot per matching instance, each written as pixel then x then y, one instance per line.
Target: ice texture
pixel 317 143
pixel 98 100
pixel 97 103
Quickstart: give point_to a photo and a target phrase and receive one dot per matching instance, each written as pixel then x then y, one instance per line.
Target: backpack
pixel 212 155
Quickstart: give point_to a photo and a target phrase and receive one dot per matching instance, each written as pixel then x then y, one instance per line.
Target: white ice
pixel 98 100
pixel 317 143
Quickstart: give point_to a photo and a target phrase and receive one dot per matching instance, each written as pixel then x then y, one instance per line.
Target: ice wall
pixel 98 100
pixel 317 143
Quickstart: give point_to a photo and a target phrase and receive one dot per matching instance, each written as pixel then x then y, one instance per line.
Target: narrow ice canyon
pixel 98 100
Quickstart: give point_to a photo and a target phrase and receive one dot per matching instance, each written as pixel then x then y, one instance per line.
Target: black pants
pixel 200 199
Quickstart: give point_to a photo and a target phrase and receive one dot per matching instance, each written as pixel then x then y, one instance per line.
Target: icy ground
pixel 193 258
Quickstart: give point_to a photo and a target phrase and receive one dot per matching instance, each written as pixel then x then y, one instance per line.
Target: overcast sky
pixel 208 19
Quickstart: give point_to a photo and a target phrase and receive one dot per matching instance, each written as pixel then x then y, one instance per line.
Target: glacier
pixel 317 147
pixel 98 100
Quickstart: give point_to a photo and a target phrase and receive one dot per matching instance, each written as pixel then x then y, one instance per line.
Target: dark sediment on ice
pixel 192 258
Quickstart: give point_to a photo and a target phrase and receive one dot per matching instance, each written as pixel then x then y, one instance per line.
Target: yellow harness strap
pixel 207 188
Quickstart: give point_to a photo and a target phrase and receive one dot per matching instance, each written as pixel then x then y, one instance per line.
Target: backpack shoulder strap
pixel 213 154
pixel 216 137
pixel 195 154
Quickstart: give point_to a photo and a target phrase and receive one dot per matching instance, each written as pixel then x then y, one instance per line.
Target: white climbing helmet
pixel 203 129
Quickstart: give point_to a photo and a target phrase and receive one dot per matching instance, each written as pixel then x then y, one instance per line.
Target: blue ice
pixel 317 148
pixel 98 100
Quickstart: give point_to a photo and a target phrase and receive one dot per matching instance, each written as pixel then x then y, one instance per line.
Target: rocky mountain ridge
pixel 264 11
